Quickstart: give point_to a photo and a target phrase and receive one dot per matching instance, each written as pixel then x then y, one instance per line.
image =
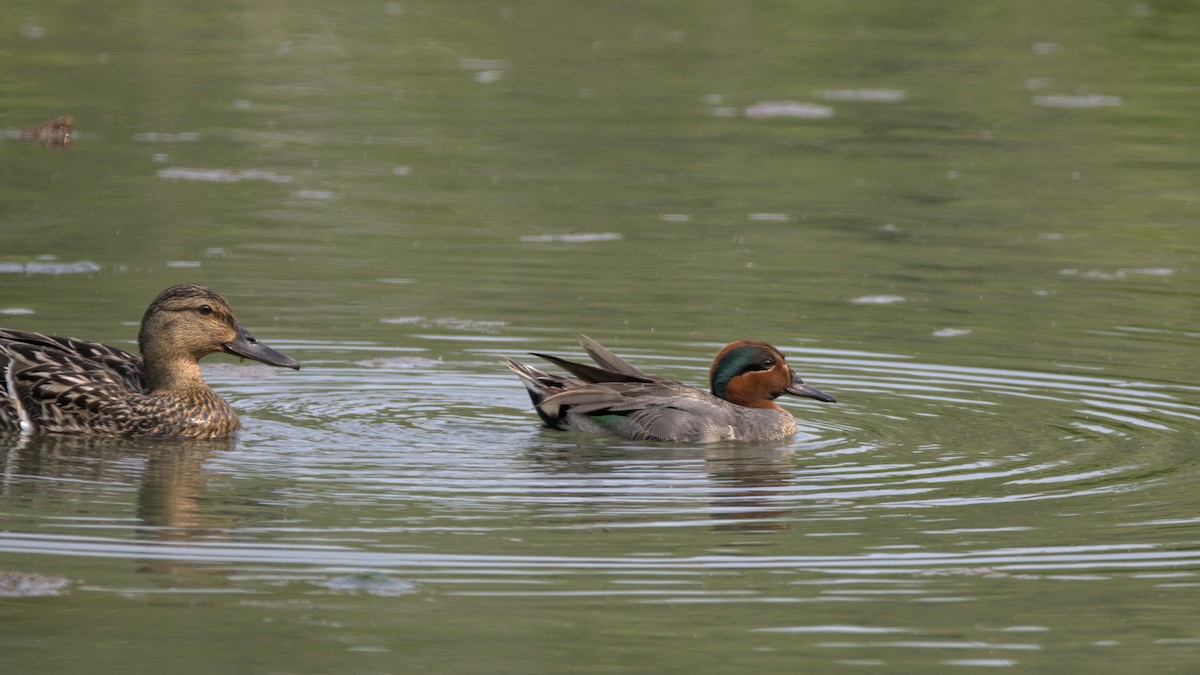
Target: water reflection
pixel 746 487
pixel 170 503
pixel 168 476
pixel 752 487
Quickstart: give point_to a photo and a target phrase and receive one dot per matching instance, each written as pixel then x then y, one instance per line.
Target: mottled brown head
pixel 754 374
pixel 186 323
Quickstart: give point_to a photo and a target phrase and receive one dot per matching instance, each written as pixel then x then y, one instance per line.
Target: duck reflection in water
pixel 87 478
pixel 747 488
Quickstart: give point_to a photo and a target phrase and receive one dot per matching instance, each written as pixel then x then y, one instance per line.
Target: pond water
pixel 972 223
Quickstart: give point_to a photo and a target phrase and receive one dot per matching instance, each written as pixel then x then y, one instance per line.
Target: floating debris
pixel 483 64
pixel 675 217
pixel 15 311
pixel 313 194
pixel 399 362
pixel 23 585
pixel 1090 101
pixel 220 175
pixel 864 95
pixel 448 322
pixel 985 572
pixel 879 299
pixel 58 134
pixel 575 238
pixel 156 137
pixel 486 70
pixel 80 267
pixel 771 217
pixel 368 582
pixel 769 109
pixel 951 332
pixel 1119 274
pixel 828 628
pixel 183 263
pixel 724 111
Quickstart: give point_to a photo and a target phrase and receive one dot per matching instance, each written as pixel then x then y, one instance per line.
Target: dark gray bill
pixel 799 388
pixel 248 346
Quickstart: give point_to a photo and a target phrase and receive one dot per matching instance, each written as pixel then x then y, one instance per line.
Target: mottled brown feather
pixel 65 385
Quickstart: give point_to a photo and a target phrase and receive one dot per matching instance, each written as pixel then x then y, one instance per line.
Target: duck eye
pixel 768 364
pixel 206 310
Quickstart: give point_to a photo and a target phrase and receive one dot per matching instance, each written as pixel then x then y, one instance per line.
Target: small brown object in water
pixel 55 134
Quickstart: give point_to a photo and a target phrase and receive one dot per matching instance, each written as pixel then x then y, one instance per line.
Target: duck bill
pixel 247 346
pixel 799 388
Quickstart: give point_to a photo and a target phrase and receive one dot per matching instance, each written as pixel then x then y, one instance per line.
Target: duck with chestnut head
pixel 616 398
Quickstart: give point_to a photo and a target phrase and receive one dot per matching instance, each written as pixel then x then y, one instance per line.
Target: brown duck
pixel 69 386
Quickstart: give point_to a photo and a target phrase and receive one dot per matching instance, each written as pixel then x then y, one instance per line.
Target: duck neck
pixel 172 373
pixel 761 403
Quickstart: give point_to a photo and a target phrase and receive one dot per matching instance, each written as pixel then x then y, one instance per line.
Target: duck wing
pixel 658 411
pixel 62 384
pixel 612 367
pixel 127 367
pixel 623 397
pixel 610 361
pixel 592 374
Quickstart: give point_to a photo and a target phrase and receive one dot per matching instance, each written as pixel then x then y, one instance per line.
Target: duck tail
pixel 13 416
pixel 540 385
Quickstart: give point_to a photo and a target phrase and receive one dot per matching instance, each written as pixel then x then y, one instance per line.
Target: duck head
pixel 754 374
pixel 188 322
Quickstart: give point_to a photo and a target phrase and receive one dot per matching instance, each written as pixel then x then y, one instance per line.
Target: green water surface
pixel 972 222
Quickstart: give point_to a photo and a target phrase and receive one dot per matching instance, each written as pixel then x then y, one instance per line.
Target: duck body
pixel 617 398
pixel 64 385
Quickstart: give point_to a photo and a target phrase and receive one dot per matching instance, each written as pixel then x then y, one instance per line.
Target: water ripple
pixel 426 466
